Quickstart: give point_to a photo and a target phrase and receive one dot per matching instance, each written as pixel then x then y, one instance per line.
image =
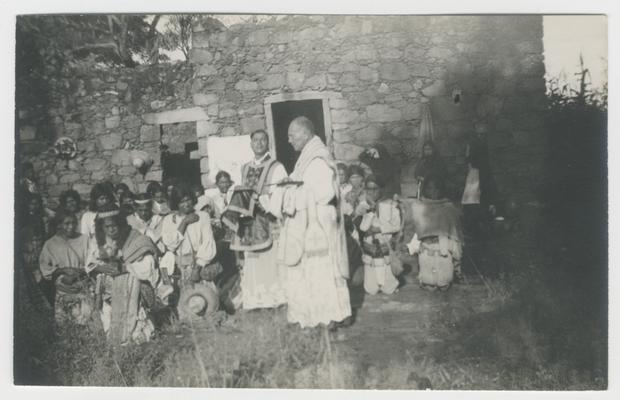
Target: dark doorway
pixel 283 113
pixel 181 167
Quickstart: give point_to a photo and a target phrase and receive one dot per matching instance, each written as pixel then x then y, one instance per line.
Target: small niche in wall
pixel 457 96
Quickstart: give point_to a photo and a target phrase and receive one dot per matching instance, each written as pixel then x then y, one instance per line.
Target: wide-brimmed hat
pixel 198 301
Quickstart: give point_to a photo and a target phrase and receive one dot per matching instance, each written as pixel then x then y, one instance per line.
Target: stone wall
pixel 108 112
pixel 377 73
pixel 381 71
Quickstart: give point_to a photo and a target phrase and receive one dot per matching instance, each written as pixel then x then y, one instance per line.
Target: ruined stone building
pixel 360 79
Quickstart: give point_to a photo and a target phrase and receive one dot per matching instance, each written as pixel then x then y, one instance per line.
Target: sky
pixel 567 36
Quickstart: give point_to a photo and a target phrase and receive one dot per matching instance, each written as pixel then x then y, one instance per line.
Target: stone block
pixel 206 70
pixel 201 99
pixel 391 53
pixel 131 121
pixel 254 68
pixel 383 113
pixel 250 124
pixel 51 179
pixel 206 128
pixel 439 53
pixel 157 104
pixel 69 178
pixel 396 71
pixel 120 85
pixel 194 155
pixel 344 116
pixel 437 88
pixel 258 38
pixel 127 171
pixel 155 175
pixel 368 135
pixel 171 117
pixel 411 111
pixel 82 188
pixel 110 141
pixel 228 112
pixel 200 56
pixel 369 74
pixel 336 104
pixel 95 164
pixel 349 79
pixel 121 157
pixel 149 133
pixel 316 82
pixel 213 110
pixel 272 81
pixel 347 151
pixel 294 80
pixel 244 85
pixel 280 37
pixel 112 122
pixel 310 34
pixel 343 135
pixel 202 147
pixel 228 131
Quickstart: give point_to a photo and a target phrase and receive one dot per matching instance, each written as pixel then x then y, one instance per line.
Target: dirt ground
pixel 412 320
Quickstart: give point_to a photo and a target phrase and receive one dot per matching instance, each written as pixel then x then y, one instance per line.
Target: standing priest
pixel 312 242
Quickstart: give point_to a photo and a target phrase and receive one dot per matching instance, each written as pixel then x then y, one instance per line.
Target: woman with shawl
pixel 62 264
pixel 430 164
pixel 124 263
pixel 438 238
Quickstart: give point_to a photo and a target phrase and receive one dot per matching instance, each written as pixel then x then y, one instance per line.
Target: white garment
pixel 152 228
pixel 87 224
pixel 197 241
pixel 317 293
pixel 471 193
pixel 216 199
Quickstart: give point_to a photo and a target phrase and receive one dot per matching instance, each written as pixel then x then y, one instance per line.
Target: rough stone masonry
pixel 378 71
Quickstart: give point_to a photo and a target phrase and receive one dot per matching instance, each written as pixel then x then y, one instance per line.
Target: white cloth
pixel 152 228
pixel 197 241
pixel 471 193
pixel 87 224
pixel 216 199
pixel 317 292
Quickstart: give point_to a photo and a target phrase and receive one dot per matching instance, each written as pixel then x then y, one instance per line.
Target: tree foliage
pixel 111 39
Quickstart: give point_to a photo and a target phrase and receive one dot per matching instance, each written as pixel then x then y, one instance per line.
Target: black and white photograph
pixel 310 201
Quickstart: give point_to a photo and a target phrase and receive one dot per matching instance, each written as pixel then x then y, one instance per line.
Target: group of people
pixel 302 239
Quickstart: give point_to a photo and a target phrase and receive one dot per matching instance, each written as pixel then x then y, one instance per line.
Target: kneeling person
pixel 379 220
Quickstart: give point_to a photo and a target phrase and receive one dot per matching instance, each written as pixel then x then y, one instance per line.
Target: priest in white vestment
pixel 312 242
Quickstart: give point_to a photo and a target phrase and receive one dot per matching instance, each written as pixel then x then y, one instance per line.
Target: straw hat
pixel 198 301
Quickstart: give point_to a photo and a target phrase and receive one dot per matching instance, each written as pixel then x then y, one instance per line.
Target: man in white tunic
pixel 312 242
pixel 262 278
pixel 146 222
